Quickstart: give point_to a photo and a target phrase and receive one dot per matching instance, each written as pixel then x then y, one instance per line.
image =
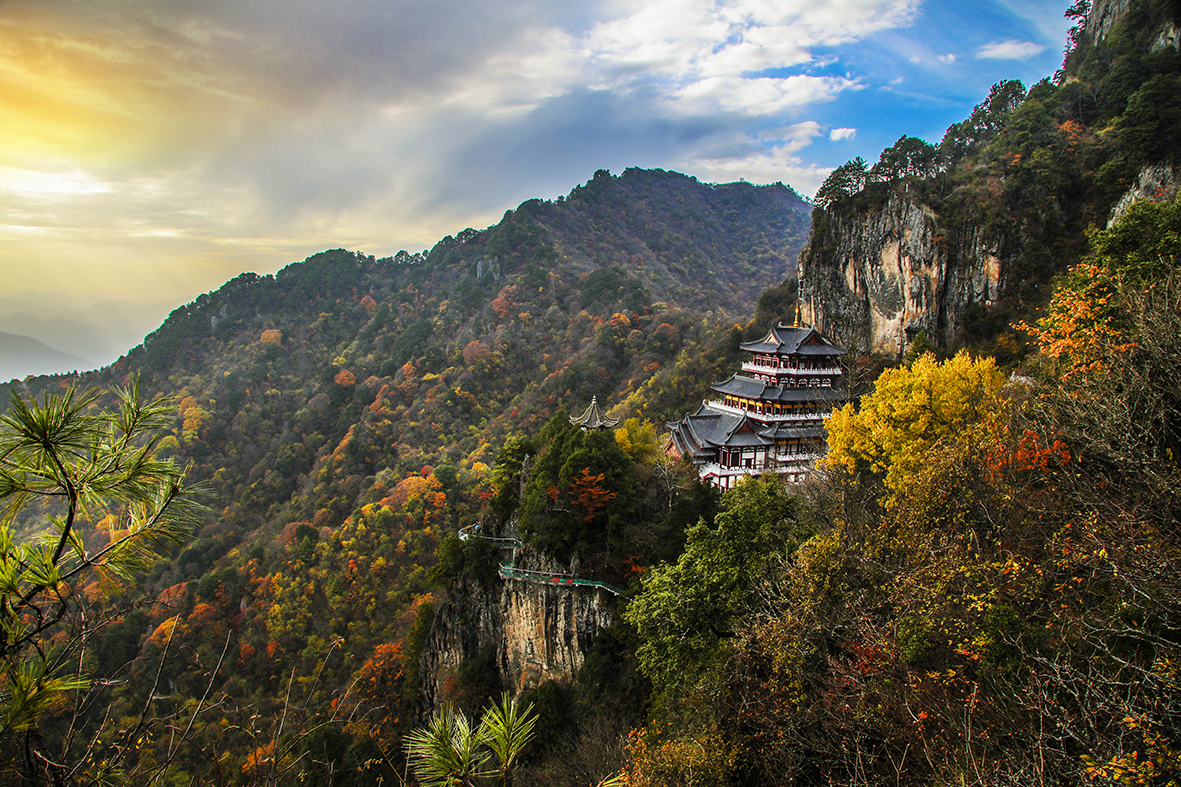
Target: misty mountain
pixel 97 332
pixel 23 355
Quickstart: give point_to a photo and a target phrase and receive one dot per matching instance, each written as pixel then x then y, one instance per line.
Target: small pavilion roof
pixel 594 418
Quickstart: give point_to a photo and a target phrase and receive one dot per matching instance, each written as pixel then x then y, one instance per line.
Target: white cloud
pixel 838 134
pixel 758 167
pixel 790 139
pixel 713 56
pixel 949 58
pixel 1010 49
pixel 757 97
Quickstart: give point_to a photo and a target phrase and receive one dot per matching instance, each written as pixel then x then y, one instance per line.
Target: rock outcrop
pixel 538 631
pixel 1155 182
pixel 1104 14
pixel 872 279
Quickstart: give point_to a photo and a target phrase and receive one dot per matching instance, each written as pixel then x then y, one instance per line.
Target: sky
pixel 153 149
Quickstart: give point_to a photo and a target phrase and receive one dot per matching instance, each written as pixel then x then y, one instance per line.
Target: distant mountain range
pixel 22 355
pixel 41 335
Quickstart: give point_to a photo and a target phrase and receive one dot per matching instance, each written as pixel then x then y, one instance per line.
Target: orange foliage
pixel 588 493
pixel 411 488
pixel 368 304
pixel 1074 132
pixel 259 760
pixel 271 336
pixel 379 686
pixel 287 534
pixel 345 377
pixel 164 631
pixel 506 301
pixel 203 615
pixel 171 596
pixel 382 672
pixel 1079 323
pixel 475 352
pixel 1033 452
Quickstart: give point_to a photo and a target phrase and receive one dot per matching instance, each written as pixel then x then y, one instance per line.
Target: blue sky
pixel 154 149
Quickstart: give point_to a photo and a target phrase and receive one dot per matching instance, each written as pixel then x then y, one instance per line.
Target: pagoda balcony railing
pixel 784 463
pixel 785 460
pixel 763 368
pixel 771 418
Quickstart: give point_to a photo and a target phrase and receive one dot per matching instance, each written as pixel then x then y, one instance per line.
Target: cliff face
pixel 538 632
pixel 1104 14
pixel 872 279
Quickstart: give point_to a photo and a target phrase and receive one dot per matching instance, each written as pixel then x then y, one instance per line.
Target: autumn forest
pixel 281 541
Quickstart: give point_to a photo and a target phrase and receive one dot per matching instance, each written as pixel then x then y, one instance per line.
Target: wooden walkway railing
pixel 508 571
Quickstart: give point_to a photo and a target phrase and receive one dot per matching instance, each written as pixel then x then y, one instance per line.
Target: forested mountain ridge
pixel 346 413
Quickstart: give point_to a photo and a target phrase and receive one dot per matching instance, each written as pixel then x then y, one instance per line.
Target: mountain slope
pixel 347 412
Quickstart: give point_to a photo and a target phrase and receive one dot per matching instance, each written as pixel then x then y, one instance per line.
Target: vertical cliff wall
pixel 873 277
pixel 538 631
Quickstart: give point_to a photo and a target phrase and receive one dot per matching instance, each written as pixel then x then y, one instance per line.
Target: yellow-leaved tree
pixel 910 410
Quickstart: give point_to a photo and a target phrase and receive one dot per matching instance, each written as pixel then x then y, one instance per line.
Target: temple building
pixel 769 418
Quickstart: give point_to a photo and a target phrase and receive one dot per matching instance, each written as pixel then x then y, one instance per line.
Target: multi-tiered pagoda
pixel 770 418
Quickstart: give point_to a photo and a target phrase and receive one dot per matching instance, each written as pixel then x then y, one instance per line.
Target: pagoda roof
pixel 793 340
pixel 706 430
pixel 787 432
pixel 753 388
pixel 594 418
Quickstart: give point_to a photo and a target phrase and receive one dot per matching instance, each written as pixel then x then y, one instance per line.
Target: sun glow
pixel 32 183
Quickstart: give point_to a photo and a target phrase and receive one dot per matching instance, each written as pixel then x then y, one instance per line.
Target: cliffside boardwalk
pixel 509 571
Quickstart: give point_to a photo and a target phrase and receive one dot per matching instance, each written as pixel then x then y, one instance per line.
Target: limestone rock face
pixel 873 279
pixel 1104 14
pixel 538 631
pixel 1155 182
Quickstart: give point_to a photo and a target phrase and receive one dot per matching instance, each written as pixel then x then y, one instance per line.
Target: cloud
pixel 838 134
pixel 756 97
pixel 791 138
pixel 211 137
pixel 1010 49
pixel 759 166
pixel 949 58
